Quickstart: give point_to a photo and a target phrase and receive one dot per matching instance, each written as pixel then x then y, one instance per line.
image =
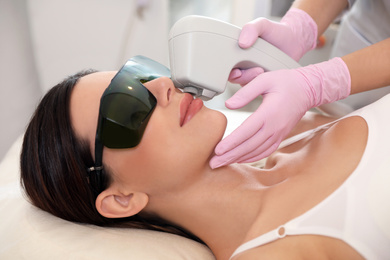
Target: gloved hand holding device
pixel 295 35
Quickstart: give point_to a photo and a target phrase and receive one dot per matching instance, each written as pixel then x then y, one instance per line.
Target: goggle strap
pixel 97 169
pixel 98 154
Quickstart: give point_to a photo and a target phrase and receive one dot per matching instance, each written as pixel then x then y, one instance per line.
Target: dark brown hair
pixel 54 166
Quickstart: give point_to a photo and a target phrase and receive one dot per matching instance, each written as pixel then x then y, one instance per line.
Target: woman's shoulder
pixel 342 143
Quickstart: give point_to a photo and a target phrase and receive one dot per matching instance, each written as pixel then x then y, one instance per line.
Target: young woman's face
pixel 176 146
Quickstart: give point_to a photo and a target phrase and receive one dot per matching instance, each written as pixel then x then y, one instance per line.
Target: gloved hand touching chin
pixel 287 95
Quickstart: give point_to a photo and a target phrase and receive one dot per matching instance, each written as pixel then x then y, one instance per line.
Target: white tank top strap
pixel 305 134
pixel 268 237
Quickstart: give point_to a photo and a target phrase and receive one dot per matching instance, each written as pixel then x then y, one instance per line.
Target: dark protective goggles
pixel 125 109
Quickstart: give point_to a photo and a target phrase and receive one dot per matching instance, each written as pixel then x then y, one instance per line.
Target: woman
pixel 299 204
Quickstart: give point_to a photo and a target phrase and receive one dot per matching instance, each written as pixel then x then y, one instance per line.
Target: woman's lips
pixel 189 107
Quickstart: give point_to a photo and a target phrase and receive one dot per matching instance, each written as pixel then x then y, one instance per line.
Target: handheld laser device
pixel 203 51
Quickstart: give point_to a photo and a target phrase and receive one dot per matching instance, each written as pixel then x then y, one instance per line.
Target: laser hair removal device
pixel 203 51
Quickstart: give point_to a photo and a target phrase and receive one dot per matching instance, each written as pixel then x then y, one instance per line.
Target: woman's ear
pixel 113 204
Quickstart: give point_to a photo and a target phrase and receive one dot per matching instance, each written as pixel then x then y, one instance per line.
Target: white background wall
pixel 43 41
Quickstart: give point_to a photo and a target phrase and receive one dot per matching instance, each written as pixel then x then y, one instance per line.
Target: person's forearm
pixel 369 67
pixel 323 12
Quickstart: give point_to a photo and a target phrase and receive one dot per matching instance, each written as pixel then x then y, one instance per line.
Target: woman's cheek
pixel 173 146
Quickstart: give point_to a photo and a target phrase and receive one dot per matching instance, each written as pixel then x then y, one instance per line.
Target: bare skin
pixel 230 205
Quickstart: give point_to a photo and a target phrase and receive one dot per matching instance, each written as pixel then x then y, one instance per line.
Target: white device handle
pixel 203 51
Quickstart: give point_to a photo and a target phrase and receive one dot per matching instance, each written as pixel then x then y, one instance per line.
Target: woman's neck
pixel 221 207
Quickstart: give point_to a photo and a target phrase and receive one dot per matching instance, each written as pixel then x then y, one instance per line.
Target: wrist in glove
pixel 327 81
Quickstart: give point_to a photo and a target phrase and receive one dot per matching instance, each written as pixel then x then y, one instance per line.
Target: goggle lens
pixel 126 105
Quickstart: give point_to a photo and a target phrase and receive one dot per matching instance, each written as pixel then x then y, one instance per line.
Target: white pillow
pixel 27 232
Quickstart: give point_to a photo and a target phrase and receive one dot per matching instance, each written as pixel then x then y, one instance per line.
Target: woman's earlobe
pixel 118 205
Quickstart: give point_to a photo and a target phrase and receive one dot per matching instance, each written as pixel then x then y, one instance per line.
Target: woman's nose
pixel 162 88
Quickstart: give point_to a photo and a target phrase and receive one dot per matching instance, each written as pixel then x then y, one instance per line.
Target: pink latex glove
pixel 287 95
pixel 295 35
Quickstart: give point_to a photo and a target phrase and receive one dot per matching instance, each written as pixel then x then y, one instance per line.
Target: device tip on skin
pixel 191 90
